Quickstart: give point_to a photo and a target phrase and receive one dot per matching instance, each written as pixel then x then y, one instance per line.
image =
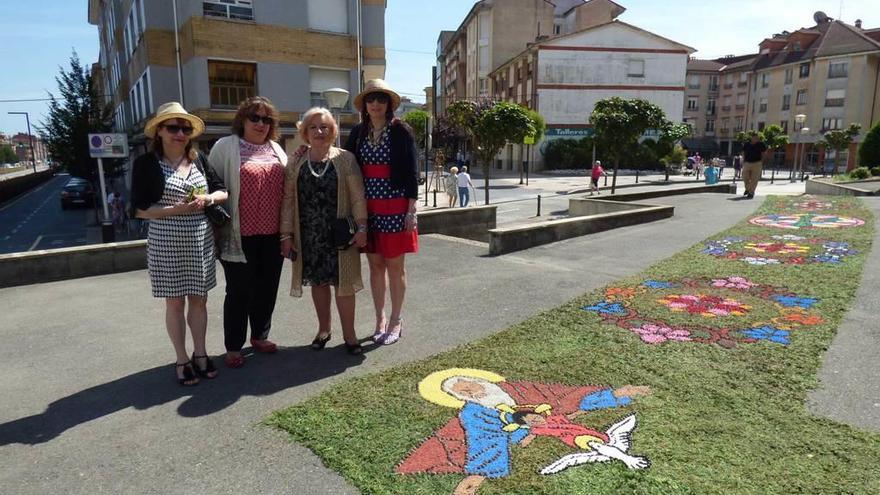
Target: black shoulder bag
pixel 216 213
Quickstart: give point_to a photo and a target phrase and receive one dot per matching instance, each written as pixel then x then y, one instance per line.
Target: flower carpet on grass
pixel 568 403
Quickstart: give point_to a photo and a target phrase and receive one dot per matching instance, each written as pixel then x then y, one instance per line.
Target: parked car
pixel 77 191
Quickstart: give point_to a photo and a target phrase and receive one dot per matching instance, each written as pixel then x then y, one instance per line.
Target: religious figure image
pixel 494 415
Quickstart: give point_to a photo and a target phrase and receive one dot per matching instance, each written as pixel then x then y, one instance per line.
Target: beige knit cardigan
pixel 350 200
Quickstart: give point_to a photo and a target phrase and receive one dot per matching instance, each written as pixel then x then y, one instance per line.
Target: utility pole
pixel 30 138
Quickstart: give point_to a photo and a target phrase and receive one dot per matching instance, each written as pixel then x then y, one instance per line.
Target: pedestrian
pixel 753 152
pixel 322 186
pixel 251 163
pixel 596 172
pixel 171 186
pixel 698 164
pixel 737 166
pixel 386 153
pixel 464 182
pixel 450 183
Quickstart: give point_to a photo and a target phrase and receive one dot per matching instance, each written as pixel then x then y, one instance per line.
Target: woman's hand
pixel 188 207
pixel 410 222
pixel 360 239
pixel 287 249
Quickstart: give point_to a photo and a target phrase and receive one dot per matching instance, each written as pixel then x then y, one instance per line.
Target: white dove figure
pixel 619 440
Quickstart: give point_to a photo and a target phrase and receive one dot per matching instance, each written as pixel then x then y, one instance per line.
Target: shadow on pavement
pixel 262 375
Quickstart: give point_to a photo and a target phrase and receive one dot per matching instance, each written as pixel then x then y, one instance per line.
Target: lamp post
pixel 337 98
pixel 799 125
pixel 30 137
pixel 804 132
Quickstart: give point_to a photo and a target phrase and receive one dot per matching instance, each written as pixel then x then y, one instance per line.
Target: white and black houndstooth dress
pixel 180 248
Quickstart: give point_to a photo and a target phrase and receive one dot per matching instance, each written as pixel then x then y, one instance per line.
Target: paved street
pixel 35 220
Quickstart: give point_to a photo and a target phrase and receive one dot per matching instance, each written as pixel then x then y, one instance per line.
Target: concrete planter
pixel 855 188
pixel 66 263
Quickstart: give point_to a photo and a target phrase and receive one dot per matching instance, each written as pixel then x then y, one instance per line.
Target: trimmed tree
pixel 839 140
pixel 869 150
pixel 774 137
pixel 540 128
pixel 496 125
pixel 619 123
pixel 418 120
pixel 80 111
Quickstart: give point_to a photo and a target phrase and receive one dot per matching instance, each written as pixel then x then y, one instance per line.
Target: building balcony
pixel 742 84
pixel 693 86
pixel 741 107
pixel 709 133
pixel 725 108
pixel 714 88
pixel 728 86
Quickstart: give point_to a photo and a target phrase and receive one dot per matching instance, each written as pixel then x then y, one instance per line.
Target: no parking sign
pixel 108 145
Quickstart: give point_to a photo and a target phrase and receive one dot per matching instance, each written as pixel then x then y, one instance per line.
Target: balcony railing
pixel 742 84
pixel 834 102
pixel 725 108
pixel 724 131
pixel 728 86
pixel 693 86
pixel 713 88
pixel 710 111
pixel 741 106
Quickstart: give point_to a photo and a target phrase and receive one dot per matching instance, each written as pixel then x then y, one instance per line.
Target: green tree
pixel 774 138
pixel 418 121
pixel 496 125
pixel 869 150
pixel 7 154
pixel 619 123
pixel 540 128
pixel 839 140
pixel 71 118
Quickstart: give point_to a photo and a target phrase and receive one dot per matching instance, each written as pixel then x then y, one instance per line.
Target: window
pixel 725 125
pixel 835 97
pixel 328 15
pixel 710 107
pixel 832 124
pixel 737 124
pixel 694 82
pixel 761 126
pixel 713 83
pixel 322 79
pixel 804 71
pixel 484 86
pixel 743 79
pixel 762 107
pixel 725 106
pixel 636 68
pixel 231 82
pixel 802 97
pixel 784 125
pixel 741 101
pixel 786 102
pixel 838 69
pixel 710 126
pixel 693 103
pixel 765 80
pixel 232 9
pixel 788 75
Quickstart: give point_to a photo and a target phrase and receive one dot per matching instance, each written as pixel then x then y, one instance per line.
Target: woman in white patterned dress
pixel 170 187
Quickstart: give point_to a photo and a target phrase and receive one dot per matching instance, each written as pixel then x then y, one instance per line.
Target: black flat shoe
pixel 319 343
pixel 354 349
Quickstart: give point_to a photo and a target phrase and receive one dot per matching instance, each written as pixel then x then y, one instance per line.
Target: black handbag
pixel 342 233
pixel 217 215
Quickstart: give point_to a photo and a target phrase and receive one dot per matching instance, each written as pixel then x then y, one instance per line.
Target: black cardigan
pixel 148 181
pixel 404 167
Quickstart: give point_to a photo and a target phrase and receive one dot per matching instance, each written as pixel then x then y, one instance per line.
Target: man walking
pixel 464 181
pixel 753 153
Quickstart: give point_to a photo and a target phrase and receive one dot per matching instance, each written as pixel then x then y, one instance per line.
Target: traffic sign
pixel 108 145
pixel 529 140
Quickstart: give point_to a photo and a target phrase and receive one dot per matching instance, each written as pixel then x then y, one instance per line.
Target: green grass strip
pixel 718 421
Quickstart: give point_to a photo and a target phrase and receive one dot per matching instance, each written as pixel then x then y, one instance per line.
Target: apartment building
pixel 829 73
pixel 563 77
pixel 212 54
pixel 494 31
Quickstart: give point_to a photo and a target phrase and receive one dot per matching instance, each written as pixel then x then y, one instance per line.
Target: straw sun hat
pixel 377 86
pixel 173 110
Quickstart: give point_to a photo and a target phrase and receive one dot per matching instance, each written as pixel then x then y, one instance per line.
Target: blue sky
pixel 38 36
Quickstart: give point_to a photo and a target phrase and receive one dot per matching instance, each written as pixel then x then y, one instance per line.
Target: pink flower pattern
pixel 733 283
pixel 657 334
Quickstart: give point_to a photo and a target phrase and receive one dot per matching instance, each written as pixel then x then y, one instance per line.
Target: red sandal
pixel 265 346
pixel 234 361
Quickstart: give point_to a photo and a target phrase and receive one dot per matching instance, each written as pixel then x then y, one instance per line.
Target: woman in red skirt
pixel 386 153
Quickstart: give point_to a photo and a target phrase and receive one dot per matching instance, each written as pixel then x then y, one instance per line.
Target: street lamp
pixel 336 98
pixel 804 132
pixel 799 120
pixel 30 137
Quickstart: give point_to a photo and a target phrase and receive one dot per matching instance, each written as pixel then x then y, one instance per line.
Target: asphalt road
pixel 35 220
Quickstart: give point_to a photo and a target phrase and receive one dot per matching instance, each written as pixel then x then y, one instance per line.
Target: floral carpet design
pixel 709 311
pixel 779 249
pixel 806 221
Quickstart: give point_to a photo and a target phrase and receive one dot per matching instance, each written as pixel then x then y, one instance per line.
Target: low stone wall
pixel 829 188
pixel 60 264
pixel 10 188
pixel 725 188
pixel 469 223
pixel 581 207
pixel 510 239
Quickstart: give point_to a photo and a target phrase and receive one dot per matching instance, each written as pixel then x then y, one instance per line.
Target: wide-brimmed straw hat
pixel 377 86
pixel 173 110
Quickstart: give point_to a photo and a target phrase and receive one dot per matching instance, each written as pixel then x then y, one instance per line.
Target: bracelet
pixel 286 237
pixel 362 228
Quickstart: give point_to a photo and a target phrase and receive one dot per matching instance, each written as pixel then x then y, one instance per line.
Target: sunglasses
pixel 174 129
pixel 256 118
pixel 378 97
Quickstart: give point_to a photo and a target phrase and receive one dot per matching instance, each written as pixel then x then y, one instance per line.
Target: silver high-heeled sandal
pixel 392 336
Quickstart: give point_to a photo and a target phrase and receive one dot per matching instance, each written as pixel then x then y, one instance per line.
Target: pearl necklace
pixel 312 169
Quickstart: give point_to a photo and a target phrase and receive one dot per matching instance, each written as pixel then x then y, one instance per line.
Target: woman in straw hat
pixel 322 184
pixel 251 163
pixel 386 153
pixel 171 186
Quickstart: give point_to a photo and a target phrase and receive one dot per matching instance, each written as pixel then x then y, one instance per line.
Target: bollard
pixel 435 198
pixel 539 205
pixel 773 175
pixel 637 176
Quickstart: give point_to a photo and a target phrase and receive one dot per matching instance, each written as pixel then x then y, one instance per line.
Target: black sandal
pixel 354 349
pixel 319 343
pixel 188 375
pixel 210 372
